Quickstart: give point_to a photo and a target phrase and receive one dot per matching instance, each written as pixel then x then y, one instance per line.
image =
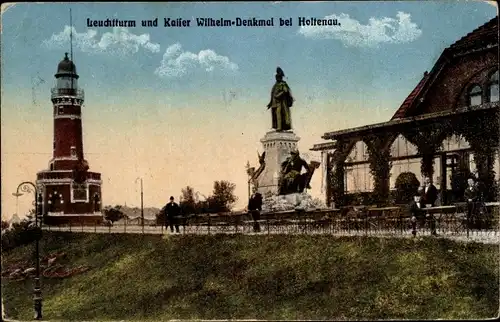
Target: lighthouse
pixel 71 194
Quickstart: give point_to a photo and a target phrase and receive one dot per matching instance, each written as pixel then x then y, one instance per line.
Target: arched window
pixel 475 96
pixel 493 87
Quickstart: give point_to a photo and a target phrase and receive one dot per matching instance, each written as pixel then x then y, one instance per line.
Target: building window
pixel 79 192
pixel 493 88
pixel 475 96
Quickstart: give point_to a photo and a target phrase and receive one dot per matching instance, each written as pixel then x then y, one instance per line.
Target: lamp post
pixel 142 205
pixel 37 292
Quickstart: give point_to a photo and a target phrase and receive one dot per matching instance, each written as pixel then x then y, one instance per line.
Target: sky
pixel 187 106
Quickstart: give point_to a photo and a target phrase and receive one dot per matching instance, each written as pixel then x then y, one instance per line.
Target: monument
pixel 282 175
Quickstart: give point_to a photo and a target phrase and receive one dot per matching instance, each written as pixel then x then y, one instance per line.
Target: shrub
pixel 20 234
pixel 406 187
pixel 113 214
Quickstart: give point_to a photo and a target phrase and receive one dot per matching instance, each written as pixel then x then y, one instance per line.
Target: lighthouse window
pixel 79 192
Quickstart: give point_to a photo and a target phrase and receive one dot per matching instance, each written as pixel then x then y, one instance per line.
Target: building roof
pixel 402 110
pixel 373 128
pixel 488 32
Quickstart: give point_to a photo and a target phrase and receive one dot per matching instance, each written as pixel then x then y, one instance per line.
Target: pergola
pixel 479 125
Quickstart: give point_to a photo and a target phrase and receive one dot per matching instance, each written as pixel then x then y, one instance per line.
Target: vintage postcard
pixel 250 160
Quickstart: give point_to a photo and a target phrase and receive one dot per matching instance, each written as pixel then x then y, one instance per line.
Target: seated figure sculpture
pixel 291 179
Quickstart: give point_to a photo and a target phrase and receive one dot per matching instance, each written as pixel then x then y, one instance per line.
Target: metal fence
pixel 447 220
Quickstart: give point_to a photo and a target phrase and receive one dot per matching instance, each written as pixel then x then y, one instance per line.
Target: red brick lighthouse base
pixel 71 194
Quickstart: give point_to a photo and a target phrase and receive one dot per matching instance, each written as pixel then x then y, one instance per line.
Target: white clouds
pixel 120 41
pixel 378 30
pixel 176 62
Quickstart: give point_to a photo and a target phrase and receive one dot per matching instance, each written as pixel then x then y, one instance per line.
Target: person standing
pixel 172 212
pixel 255 207
pixel 430 192
pixel 471 195
pixel 416 212
pixel 429 196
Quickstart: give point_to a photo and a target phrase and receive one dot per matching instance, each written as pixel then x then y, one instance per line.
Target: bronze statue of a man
pixel 281 101
pixel 291 179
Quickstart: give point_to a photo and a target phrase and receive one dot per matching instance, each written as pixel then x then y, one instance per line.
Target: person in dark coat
pixel 416 213
pixel 172 212
pixel 471 195
pixel 97 203
pixel 429 193
pixel 254 208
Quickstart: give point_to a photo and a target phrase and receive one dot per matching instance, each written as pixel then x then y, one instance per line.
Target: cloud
pixel 378 30
pixel 120 41
pixel 176 62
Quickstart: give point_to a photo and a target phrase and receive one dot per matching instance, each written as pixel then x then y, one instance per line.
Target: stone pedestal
pixel 294 201
pixel 277 146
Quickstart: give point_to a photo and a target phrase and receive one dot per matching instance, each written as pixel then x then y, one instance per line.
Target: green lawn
pixel 264 277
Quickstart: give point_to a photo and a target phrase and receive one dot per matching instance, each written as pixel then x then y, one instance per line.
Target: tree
pixel 223 197
pixel 5 225
pixel 188 202
pixel 203 206
pixel 113 213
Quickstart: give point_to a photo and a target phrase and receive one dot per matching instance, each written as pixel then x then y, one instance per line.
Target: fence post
pixel 467 220
pixel 70 226
pixel 95 227
pixel 401 223
pixel 125 226
pixel 109 228
pixel 365 215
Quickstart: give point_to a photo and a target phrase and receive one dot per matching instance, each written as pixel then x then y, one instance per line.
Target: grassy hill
pixel 264 277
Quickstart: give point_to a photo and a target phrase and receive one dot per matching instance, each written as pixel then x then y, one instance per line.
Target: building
pixel 70 193
pixel 446 129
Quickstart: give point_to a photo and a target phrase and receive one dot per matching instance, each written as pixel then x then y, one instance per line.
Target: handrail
pixel 76 92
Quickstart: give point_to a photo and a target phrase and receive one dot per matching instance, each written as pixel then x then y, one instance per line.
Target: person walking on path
pixel 172 212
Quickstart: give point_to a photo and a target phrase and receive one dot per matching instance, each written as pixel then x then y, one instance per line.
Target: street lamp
pixel 17 195
pixel 37 292
pixel 142 205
